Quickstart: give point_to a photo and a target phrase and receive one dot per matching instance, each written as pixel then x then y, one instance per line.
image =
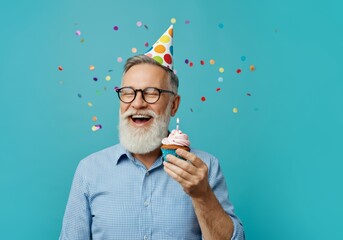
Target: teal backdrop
pixel 266 100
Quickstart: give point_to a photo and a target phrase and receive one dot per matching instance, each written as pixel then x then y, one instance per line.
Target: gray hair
pixel 140 59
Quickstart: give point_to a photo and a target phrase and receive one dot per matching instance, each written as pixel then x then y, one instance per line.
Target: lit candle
pixel 177 124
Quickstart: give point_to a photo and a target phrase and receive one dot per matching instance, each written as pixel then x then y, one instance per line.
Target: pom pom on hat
pixel 162 50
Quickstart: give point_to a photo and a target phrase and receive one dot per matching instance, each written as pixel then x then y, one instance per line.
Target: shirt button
pixel 146 237
pixel 148 173
pixel 146 203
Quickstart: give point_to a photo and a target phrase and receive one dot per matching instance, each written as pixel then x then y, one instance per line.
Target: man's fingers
pixel 190 157
pixel 176 172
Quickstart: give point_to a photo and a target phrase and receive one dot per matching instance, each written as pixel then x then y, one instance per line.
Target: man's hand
pixel 191 174
pixel 193 177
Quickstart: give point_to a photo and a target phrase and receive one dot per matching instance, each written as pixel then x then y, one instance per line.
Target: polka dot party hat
pixel 162 50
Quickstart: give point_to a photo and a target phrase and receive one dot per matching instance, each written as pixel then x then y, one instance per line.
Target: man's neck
pixel 148 159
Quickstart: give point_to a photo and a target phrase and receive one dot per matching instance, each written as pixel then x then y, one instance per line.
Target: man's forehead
pixel 146 75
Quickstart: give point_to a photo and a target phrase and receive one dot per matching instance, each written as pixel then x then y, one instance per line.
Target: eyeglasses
pixel 149 95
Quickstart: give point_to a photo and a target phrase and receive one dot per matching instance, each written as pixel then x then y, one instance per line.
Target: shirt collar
pixel 122 154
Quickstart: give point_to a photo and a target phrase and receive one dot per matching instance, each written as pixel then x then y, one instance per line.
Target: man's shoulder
pixel 111 153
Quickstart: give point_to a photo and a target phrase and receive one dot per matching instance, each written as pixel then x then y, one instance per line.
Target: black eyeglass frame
pixel 118 90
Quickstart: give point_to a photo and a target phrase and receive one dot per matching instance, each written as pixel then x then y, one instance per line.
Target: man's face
pixel 142 125
pixel 142 76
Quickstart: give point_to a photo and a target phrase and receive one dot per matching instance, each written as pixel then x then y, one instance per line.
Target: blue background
pixel 281 153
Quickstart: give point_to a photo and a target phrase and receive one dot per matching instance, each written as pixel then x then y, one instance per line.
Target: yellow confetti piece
pixel 108 78
pixel 252 67
pixel 173 20
pixel 212 62
pixel 221 70
pixel 91 67
pixel 90 104
pixel 235 110
pixel 134 50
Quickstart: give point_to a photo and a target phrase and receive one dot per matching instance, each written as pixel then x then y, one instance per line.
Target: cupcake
pixel 176 139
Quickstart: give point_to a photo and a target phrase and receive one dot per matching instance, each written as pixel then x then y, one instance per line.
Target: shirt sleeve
pixel 219 187
pixel 77 218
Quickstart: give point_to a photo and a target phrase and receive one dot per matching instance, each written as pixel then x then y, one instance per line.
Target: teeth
pixel 140 116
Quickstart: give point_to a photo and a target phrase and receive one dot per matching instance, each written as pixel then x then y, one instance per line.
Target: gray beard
pixel 142 140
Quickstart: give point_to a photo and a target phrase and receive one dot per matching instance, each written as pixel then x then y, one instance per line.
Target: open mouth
pixel 140 119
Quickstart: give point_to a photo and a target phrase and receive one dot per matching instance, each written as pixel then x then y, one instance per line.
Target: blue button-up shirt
pixel 114 196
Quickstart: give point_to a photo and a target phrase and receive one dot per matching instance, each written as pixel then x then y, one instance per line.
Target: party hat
pixel 162 50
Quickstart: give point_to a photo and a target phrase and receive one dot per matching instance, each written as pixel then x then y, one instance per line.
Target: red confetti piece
pixel 60 68
pixel 203 99
pixel 238 71
pixel 202 62
pixel 115 28
pixel 191 64
pixel 218 89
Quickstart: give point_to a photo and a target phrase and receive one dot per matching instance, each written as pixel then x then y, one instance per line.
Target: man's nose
pixel 139 102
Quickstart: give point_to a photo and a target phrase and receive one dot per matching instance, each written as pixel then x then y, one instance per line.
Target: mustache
pixel 131 112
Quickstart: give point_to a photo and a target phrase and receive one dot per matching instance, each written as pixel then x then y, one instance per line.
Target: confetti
pixel 146 44
pixel 252 68
pixel 134 50
pixel 110 70
pixel 79 95
pixel 95 79
pixel 173 20
pixel 96 127
pixel 60 68
pixel 94 118
pixel 78 32
pixel 238 71
pixel 235 110
pixel 187 22
pixel 139 24
pixel 212 62
pixel 82 40
pixel 243 58
pixel 220 79
pixel 203 99
pixel 218 89
pixel 91 67
pixel 115 28
pixel 186 61
pixel 191 64
pixel 191 109
pixel 108 78
pixel 249 94
pixel 119 59
pixel 220 25
pixel 221 69
pixel 146 27
pixel 90 104
pixel 202 62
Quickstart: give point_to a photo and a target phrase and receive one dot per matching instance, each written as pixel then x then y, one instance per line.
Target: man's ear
pixel 175 106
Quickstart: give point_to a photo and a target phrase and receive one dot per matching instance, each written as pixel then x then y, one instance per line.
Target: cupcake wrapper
pixel 165 152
